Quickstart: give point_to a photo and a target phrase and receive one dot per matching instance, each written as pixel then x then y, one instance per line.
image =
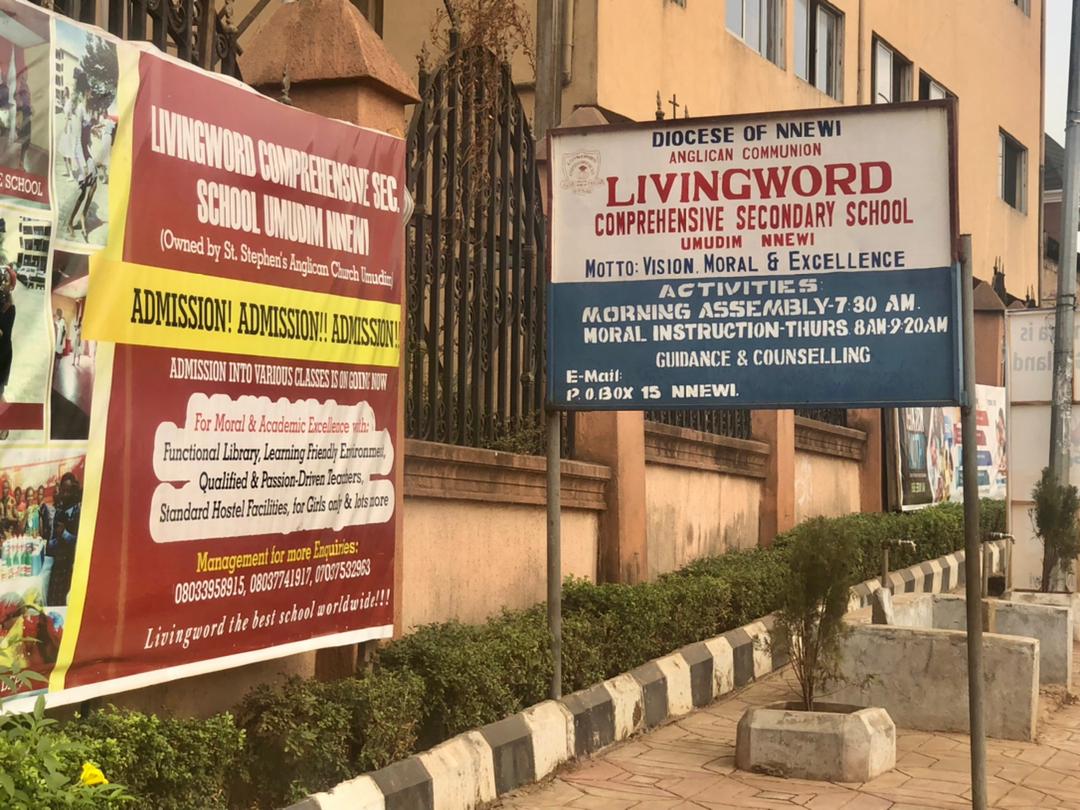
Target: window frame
pixel 772 23
pixel 931 81
pixel 808 72
pixel 900 85
pixel 373 11
pixel 1006 140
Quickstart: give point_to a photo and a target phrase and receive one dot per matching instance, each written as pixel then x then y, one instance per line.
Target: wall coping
pixel 824 439
pixel 434 470
pixel 692 449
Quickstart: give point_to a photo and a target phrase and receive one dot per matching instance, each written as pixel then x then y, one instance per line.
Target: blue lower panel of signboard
pixel 856 339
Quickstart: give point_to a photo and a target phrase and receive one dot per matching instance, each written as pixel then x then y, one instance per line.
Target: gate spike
pixel 286 83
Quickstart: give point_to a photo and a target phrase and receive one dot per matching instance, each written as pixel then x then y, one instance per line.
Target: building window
pixel 1013 169
pixel 373 11
pixel 930 90
pixel 760 24
pixel 892 74
pixel 819 46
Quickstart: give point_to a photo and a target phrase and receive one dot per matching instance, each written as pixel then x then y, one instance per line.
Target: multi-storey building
pixel 713 57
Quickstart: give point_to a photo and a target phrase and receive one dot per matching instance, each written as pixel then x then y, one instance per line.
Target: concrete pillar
pixel 325 57
pixel 617 439
pixel 777 514
pixel 871 468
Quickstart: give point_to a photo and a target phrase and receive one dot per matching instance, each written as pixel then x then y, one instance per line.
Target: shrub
pixel 296 742
pixel 166 763
pixel 306 736
pixel 40 766
pixel 825 560
pixel 384 708
pixel 753 579
pixel 463 675
pixel 1054 512
pixel 936 531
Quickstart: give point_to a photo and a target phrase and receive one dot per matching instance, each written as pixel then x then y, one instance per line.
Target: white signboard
pixel 780 260
pixel 831 190
pixel 1030 349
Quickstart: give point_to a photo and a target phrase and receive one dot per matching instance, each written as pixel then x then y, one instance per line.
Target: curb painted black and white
pixel 478 766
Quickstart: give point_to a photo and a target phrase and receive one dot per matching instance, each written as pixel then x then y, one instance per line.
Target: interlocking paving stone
pixel 690 763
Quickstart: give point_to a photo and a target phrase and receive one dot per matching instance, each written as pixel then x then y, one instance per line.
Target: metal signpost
pixel 794 259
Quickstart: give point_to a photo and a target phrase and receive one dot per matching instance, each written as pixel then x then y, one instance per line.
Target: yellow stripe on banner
pixel 122 150
pixel 151 306
pixel 119 190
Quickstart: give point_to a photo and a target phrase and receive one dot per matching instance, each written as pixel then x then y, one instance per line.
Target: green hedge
pixel 181 764
pixel 304 736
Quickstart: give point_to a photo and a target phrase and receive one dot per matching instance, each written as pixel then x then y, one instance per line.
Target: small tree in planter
pixel 1055 517
pixel 824 561
pixel 811 739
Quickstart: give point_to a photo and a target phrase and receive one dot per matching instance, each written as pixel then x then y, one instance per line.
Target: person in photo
pixel 63 537
pixel 60 330
pixel 85 167
pixel 105 145
pixel 33 515
pixel 76 341
pixel 5 108
pixel 23 116
pixel 46 511
pixel 7 324
pixel 65 145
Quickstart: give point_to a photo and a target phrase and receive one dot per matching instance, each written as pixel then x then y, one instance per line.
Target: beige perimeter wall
pixel 697 513
pixel 825 485
pixel 469 559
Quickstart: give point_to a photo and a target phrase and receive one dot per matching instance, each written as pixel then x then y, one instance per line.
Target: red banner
pixel 214 482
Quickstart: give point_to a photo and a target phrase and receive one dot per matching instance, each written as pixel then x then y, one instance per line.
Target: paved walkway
pixel 691 764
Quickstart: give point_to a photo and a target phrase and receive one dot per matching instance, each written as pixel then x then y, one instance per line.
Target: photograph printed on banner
pixel 24 327
pixel 40 510
pixel 84 127
pixel 73 354
pixel 25 76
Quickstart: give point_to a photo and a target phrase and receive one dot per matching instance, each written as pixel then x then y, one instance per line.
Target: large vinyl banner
pixel 200 317
pixel 796 258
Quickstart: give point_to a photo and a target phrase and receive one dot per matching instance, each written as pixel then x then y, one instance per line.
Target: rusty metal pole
pixel 972 540
pixel 1065 315
pixel 548 103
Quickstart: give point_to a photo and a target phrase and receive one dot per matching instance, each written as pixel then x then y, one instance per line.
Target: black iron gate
pixel 191 29
pixel 475 261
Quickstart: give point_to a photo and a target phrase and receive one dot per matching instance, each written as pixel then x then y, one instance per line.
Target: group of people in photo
pixel 49 512
pixel 68 338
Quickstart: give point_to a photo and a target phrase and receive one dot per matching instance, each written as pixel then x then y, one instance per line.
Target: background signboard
pixel 781 260
pixel 1029 377
pixel 200 441
pixel 928 451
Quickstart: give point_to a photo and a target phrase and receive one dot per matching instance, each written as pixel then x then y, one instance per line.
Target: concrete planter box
pixel 1069 600
pixel 835 743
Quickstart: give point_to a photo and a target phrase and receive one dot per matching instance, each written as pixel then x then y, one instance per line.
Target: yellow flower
pixel 91 775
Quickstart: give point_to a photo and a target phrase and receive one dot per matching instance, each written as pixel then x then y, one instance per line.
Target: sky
pixel 1058 17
